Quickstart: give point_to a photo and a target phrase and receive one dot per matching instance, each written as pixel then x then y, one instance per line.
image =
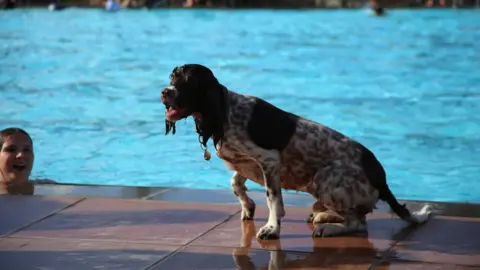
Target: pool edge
pixel 210 196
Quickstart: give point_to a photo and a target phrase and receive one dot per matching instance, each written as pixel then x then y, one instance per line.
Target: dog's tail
pixel 377 176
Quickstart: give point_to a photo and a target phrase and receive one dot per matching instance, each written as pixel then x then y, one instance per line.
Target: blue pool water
pixel 85 84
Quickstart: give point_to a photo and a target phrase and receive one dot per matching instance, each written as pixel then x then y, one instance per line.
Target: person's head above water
pixel 16 156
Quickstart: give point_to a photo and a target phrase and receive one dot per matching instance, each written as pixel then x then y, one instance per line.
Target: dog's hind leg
pixel 238 187
pixel 348 226
pixel 353 221
pixel 348 197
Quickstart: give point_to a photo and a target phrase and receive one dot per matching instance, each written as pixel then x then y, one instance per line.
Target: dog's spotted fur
pixel 278 149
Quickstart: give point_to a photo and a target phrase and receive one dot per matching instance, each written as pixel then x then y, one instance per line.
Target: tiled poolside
pixel 104 227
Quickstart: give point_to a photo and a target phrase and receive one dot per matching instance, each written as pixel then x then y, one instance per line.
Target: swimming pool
pixel 85 84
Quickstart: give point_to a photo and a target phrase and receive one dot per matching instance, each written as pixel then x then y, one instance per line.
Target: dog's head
pixel 194 90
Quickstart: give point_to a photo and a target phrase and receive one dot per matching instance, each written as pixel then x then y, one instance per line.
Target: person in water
pixel 16 162
pixel 55 5
pixel 112 5
pixel 377 7
pixel 9 4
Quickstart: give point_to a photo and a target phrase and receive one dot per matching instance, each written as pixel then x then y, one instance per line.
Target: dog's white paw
pixel 269 232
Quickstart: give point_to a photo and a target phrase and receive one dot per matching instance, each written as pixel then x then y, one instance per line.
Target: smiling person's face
pixel 16 158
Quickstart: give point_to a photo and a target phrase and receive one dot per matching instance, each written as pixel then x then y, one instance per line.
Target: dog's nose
pixel 167 92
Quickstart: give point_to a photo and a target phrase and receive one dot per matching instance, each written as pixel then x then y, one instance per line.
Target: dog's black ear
pixel 216 110
pixel 213 109
pixel 169 125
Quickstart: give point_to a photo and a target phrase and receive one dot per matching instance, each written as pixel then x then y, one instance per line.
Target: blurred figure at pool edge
pixel 55 6
pixel 16 162
pixel 377 7
pixel 112 5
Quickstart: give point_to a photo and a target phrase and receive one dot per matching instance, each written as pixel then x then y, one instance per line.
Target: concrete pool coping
pixel 115 227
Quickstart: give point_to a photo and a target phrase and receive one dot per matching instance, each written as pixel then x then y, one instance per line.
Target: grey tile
pixel 26 254
pixel 449 240
pixel 17 211
pixel 132 221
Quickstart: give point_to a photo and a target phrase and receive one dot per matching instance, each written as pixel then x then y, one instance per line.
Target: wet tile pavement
pixel 98 227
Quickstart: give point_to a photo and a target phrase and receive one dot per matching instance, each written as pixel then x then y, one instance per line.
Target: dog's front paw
pixel 269 232
pixel 248 212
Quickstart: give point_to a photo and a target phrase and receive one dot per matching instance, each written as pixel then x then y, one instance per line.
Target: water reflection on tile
pixel 384 231
pixel 446 240
pixel 246 258
pixel 410 265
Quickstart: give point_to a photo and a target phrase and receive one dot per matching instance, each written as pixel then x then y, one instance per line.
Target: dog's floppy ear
pixel 214 109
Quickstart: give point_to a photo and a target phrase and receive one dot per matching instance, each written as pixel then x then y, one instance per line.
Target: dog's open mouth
pixel 173 113
pixel 19 167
